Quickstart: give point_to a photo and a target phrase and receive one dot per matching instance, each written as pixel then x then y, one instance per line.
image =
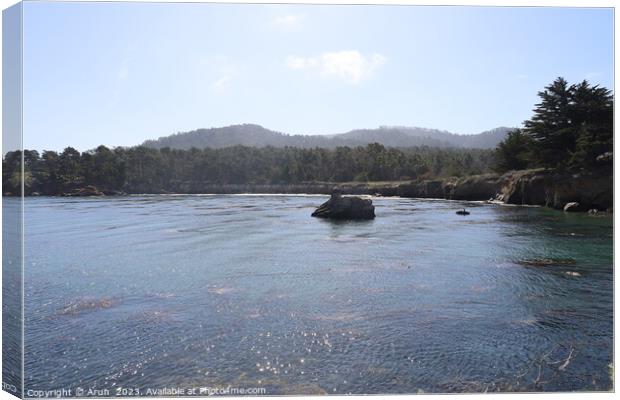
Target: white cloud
pixel 350 66
pixel 287 22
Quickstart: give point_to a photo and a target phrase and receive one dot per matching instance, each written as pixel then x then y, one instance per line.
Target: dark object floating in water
pixel 462 212
pixel 343 208
pixel 543 262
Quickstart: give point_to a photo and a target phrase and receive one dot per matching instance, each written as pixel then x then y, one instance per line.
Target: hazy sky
pixel 120 73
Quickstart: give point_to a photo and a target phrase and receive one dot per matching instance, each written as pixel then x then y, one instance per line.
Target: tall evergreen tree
pixel 513 153
pixel 553 134
pixel 592 113
pixel 571 126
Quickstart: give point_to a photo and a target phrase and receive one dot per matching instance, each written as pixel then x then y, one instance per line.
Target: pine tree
pixel 513 152
pixel 592 111
pixel 551 130
pixel 571 126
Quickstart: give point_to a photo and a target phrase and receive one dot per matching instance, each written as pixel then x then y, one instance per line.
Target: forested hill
pixel 257 136
pixel 570 132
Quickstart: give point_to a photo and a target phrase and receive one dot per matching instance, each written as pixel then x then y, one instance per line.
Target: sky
pixel 120 73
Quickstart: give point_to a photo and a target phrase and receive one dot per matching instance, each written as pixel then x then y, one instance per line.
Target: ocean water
pixel 139 293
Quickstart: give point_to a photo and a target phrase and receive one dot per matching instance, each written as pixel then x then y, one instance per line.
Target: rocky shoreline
pixel 539 187
pixel 530 187
pixel 590 191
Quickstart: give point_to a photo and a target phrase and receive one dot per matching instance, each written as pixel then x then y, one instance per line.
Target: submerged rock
pixel 351 208
pixel 545 262
pixel 87 305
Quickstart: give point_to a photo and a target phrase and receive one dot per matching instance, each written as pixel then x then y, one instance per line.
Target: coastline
pixel 537 187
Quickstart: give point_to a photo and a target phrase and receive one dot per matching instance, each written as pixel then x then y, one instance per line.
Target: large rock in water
pixel 352 208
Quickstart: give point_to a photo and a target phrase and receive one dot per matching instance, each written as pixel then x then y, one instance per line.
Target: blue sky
pixel 120 73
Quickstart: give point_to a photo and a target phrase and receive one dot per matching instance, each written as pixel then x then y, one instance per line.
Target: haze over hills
pixel 390 136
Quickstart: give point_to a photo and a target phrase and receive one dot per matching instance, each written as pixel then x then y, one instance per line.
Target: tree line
pixel 571 130
pixel 147 170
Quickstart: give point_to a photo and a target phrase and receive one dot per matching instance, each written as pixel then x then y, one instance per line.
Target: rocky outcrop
pixel 555 190
pixel 85 192
pixel 590 191
pixel 430 189
pixel 525 187
pixel 529 187
pixel 477 187
pixel 345 208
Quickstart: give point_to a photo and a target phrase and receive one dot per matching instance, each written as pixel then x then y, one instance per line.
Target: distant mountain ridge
pixel 391 136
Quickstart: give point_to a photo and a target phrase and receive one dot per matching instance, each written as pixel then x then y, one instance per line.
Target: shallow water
pixel 250 291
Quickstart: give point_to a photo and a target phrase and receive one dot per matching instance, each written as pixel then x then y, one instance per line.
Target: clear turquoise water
pixel 250 291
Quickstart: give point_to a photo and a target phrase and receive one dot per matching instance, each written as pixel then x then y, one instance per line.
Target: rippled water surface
pixel 250 291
